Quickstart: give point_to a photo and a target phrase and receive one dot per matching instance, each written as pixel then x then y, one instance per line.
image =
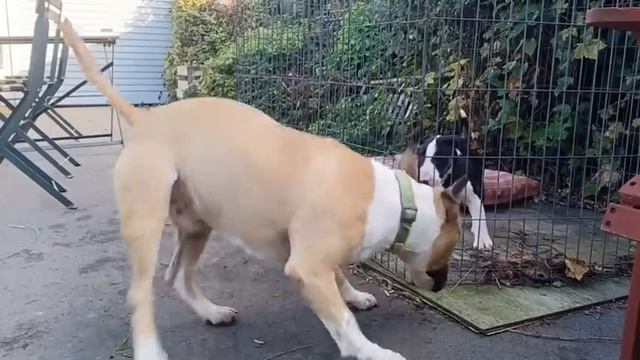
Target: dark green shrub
pixel 201 32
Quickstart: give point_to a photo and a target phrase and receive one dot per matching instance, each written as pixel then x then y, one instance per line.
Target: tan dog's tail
pixel 88 64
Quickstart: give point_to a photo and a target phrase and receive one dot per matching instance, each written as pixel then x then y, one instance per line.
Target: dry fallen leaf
pixel 575 269
pixel 606 177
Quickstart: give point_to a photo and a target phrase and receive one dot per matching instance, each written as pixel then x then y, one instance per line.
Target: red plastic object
pixel 624 220
pixel 500 187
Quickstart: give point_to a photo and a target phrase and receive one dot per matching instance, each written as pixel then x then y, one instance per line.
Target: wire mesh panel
pixel 550 102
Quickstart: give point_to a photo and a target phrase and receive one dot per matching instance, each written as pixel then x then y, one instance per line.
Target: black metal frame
pixel 35 82
pixel 38 99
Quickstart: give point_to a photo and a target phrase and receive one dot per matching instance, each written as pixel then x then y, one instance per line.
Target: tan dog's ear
pixel 408 161
pixel 413 147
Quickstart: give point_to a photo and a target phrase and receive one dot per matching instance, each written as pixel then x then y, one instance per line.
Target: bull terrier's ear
pixel 464 123
pixel 455 192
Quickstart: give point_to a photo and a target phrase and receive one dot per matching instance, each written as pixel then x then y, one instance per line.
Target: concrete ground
pixel 62 294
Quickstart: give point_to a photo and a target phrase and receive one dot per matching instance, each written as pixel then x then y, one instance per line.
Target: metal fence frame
pixel 560 106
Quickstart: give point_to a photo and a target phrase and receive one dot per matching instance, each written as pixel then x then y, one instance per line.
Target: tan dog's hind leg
pixel 181 275
pixel 142 188
pixel 360 300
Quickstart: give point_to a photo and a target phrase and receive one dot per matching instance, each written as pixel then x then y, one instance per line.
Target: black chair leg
pixel 45 154
pixel 60 124
pixel 27 169
pixel 64 121
pixel 30 125
pixel 9 149
pixel 54 145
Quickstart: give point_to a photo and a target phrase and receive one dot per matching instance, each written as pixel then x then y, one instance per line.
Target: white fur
pixel 428 172
pixel 148 349
pixel 383 216
pixel 352 342
pixel 207 310
pixel 361 300
pixel 426 228
pixel 481 238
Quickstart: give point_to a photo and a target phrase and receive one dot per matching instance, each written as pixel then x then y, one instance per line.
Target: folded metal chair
pixel 58 66
pixel 31 88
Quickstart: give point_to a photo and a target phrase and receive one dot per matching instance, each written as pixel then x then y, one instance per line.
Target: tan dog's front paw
pixel 390 355
pixel 379 353
pixel 221 315
pixel 361 300
pixel 148 349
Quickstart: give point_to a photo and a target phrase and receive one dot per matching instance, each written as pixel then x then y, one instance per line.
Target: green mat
pixel 488 310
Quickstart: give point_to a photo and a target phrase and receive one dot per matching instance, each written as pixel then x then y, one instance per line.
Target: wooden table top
pixel 107 39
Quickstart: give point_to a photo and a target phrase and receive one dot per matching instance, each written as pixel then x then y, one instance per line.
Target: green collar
pixel 409 208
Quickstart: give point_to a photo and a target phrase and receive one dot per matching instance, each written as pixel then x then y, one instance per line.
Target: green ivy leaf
pixel 507 110
pixel 607 112
pixel 530 46
pixel 430 78
pixel 559 6
pixel 568 33
pixel 564 83
pixel 458 65
pixel 614 130
pixel 508 67
pixel 590 188
pixel 589 49
pixel 517 29
pixel 562 109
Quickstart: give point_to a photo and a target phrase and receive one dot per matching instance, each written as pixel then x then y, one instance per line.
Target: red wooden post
pixel 624 220
pixel 631 337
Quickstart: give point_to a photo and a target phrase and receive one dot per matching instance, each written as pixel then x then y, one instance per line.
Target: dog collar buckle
pixel 409 215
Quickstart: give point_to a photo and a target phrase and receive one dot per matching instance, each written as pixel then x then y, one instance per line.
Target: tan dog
pixel 306 201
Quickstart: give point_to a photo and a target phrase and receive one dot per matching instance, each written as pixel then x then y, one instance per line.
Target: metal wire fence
pixel 550 102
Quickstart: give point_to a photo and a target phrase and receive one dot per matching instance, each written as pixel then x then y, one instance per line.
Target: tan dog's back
pixel 220 148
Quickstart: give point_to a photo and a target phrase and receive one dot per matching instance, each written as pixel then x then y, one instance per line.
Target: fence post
pixel 187 75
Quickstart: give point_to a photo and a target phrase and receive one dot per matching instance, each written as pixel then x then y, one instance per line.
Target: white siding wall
pixel 144 30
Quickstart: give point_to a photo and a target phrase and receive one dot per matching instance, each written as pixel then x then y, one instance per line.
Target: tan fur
pixel 408 162
pixel 449 211
pixel 128 111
